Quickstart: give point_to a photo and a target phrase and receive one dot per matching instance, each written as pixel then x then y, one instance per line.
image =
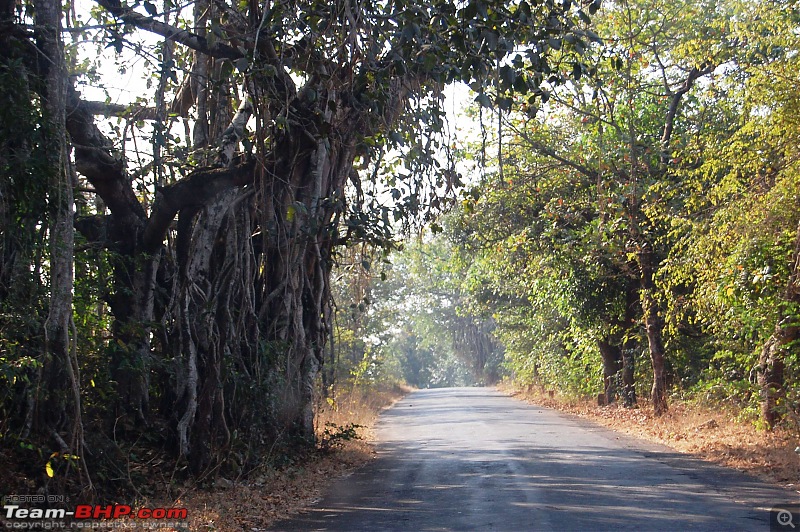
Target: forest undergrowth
pixel 344 435
pixel 281 486
pixel 711 433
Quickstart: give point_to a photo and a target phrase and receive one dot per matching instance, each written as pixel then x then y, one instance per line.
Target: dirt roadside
pixel 253 504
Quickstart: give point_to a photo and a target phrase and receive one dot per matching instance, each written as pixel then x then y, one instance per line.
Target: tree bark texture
pixel 611 356
pixel 59 405
pixel 654 328
pixel 219 283
pixel 629 346
pixel 771 373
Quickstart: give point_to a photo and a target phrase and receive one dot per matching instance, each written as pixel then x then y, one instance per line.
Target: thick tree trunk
pixel 203 335
pixel 248 282
pixel 285 251
pixel 612 364
pixel 132 305
pixel 297 266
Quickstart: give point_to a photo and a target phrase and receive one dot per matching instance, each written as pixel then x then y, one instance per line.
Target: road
pixel 474 459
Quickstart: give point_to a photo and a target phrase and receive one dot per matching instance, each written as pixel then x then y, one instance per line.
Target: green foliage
pixel 537 264
pixel 197 326
pixel 23 241
pixel 550 244
pixel 410 322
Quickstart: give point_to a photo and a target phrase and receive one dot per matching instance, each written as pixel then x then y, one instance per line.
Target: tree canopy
pixel 645 220
pixel 190 263
pixel 167 255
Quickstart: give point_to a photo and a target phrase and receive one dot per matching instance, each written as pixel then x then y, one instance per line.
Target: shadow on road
pixel 484 462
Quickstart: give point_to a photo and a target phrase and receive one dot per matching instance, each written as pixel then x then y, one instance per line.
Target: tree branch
pixel 187 38
pixel 672 111
pixel 95 159
pixel 191 192
pixel 93 228
pixel 135 112
pixel 540 148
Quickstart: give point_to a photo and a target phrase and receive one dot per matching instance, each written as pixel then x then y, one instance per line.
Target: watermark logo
pixel 784 518
pixel 34 512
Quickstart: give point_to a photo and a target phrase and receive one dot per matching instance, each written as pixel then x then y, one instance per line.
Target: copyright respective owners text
pixel 783 517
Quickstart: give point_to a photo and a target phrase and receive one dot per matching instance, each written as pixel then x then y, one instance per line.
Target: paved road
pixel 473 459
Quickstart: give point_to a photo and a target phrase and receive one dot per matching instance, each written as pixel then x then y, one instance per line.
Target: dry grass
pixel 708 433
pixel 272 495
pixel 359 406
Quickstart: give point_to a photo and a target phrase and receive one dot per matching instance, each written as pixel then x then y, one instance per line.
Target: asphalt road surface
pixel 474 459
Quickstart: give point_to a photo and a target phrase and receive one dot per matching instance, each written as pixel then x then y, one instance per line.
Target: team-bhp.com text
pixel 87 516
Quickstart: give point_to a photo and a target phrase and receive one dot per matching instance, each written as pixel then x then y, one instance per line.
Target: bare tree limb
pixel 187 38
pixel 196 190
pixel 95 159
pixel 672 111
pixel 133 111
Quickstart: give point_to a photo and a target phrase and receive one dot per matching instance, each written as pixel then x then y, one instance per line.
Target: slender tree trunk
pixel 629 374
pixel 771 363
pixel 48 26
pixel 629 346
pixel 771 373
pixel 60 407
pixel 654 328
